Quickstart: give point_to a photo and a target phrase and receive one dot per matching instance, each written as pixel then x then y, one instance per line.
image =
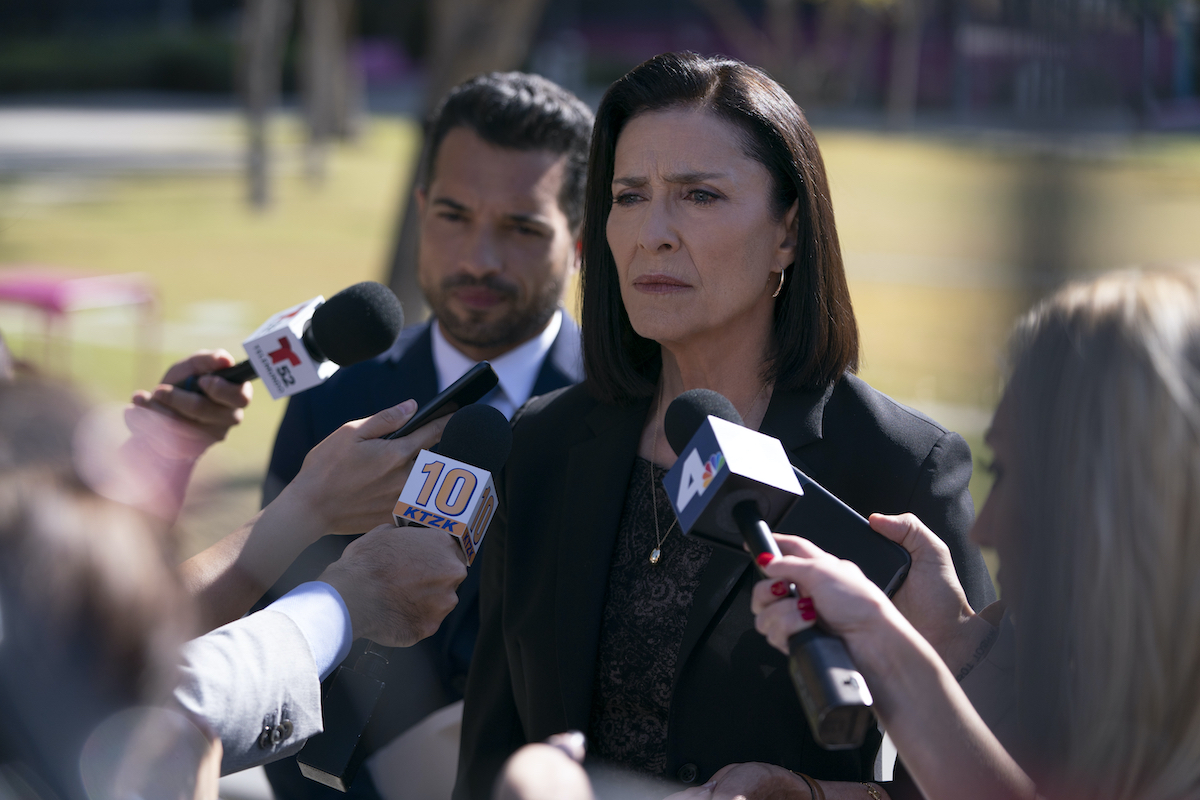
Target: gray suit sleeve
pixel 254 684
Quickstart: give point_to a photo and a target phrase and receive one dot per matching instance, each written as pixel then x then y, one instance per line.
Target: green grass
pixel 195 237
pixel 927 227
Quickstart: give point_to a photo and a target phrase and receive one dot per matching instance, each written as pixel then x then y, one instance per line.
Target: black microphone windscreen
pixel 687 413
pixel 478 435
pixel 357 323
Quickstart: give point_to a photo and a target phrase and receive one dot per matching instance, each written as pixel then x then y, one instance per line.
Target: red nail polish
pixel 765 558
pixel 779 589
pixel 807 612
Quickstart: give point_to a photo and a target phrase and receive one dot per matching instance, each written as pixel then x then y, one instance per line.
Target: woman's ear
pixel 785 255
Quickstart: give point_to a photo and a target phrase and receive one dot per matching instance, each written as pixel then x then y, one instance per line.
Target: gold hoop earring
pixel 779 288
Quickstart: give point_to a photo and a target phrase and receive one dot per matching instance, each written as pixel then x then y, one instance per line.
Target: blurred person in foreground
pixel 548 770
pixel 95 616
pixel 91 620
pixel 710 260
pixel 1096 519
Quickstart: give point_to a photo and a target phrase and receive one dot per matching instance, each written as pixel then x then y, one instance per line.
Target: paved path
pixel 88 141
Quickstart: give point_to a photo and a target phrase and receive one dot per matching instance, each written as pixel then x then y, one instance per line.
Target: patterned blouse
pixel 645 612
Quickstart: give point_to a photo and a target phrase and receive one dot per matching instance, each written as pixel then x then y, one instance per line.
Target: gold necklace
pixel 656 553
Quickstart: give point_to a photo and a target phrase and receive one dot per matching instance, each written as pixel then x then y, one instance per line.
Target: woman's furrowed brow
pixel 692 177
pixel 631 182
pixel 674 177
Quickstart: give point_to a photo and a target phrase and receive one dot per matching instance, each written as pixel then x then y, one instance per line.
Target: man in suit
pixel 500 204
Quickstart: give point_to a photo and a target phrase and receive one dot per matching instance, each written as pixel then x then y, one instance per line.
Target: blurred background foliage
pixel 980 152
pixel 981 55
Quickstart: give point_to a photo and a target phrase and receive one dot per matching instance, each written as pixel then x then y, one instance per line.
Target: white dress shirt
pixel 517 369
pixel 323 619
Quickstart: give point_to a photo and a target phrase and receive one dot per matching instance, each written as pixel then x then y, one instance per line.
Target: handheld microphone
pixel 445 488
pixel 732 485
pixel 449 488
pixel 302 346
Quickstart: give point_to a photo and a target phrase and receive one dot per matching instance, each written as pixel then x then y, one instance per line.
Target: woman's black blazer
pixel 544 580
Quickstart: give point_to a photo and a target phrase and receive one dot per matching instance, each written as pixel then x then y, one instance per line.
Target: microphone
pixel 449 488
pixel 732 485
pixel 302 346
pixel 445 489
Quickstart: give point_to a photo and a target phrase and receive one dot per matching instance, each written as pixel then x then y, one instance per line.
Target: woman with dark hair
pixel 710 259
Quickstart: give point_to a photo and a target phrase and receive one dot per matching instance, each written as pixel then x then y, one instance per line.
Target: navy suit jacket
pixel 432 673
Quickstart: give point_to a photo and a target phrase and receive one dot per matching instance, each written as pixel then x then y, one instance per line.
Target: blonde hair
pixel 1105 397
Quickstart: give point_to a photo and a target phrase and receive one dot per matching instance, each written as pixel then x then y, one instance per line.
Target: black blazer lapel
pixel 596 478
pixel 795 419
pixel 724 570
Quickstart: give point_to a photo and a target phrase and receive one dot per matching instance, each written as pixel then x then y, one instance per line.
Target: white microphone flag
pixel 277 352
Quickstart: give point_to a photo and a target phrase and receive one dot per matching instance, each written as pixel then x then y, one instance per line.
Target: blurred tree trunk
pixel 175 16
pixel 1148 104
pixel 332 90
pixel 905 73
pixel 812 71
pixel 770 47
pixel 469 37
pixel 264 31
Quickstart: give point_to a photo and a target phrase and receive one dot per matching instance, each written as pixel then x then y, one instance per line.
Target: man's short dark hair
pixel 520 112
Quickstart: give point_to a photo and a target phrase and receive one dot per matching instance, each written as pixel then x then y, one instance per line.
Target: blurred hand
pixel 573 743
pixel 398 583
pixel 750 781
pixel 351 480
pixel 208 773
pixel 931 597
pixel 548 771
pixel 200 419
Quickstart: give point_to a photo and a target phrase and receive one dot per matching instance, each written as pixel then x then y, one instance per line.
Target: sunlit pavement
pixel 97 140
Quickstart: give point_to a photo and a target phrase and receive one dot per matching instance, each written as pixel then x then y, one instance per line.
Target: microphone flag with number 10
pixel 451 495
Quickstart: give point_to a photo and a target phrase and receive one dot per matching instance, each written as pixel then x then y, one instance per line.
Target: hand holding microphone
pixel 203 396
pixel 304 345
pixel 206 414
pixel 346 485
pixel 349 480
pixel 450 497
pixel 450 487
pixel 398 588
pixel 728 486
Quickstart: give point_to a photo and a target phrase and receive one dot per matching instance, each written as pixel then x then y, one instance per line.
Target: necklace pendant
pixel 655 554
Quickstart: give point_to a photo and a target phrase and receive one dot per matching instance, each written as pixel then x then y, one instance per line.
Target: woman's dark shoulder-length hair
pixel 816 336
